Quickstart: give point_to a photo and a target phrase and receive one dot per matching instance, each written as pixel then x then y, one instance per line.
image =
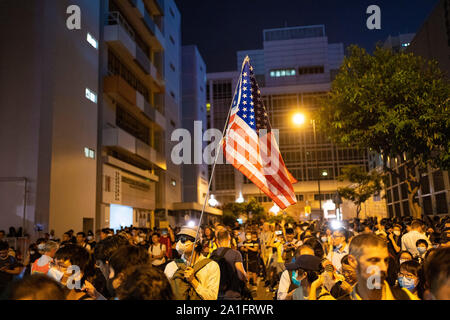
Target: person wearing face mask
pixel 193 276
pixel 422 247
pixel 408 276
pixel 289 283
pixel 404 256
pixel 91 240
pixel 250 249
pixel 394 240
pixel 340 248
pixel 303 274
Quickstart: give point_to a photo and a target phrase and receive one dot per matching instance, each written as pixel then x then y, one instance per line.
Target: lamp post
pixel 299 119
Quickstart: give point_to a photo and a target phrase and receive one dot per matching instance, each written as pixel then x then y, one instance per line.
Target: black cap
pixel 306 262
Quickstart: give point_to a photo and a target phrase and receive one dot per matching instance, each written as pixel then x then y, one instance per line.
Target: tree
pixel 279 218
pixel 251 209
pixel 363 185
pixel 394 104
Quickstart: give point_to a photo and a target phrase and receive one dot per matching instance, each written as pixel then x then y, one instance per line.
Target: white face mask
pixel 397 233
pixel 402 260
pixel 41 246
pixel 181 247
pixel 89 238
pixel 422 250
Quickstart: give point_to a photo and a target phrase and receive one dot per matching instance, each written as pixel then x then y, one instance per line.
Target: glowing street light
pixel 275 209
pixel 240 199
pixel 212 201
pixel 299 119
pixel 191 224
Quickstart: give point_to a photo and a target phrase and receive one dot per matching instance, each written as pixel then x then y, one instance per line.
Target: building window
pixel 92 41
pixel 116 67
pixel 282 73
pixel 129 123
pixel 311 70
pixel 91 95
pixel 89 153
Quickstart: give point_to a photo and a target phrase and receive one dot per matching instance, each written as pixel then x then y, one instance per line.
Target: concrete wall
pixel 172 55
pixel 194 109
pixel 46 69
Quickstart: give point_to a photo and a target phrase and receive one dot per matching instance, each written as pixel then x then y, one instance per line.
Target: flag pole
pixel 215 160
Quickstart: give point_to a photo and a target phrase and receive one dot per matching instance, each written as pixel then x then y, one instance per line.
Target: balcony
pixel 119 35
pixel 118 138
pixel 115 86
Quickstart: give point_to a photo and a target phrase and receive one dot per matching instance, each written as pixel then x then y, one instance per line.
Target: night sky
pixel 221 27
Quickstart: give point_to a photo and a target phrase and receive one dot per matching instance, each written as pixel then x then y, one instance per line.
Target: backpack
pixel 182 289
pixel 229 279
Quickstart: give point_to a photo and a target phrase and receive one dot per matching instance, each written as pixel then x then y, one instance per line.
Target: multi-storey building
pixel 194 121
pixel 93 131
pixel 141 107
pixel 49 84
pixel 295 69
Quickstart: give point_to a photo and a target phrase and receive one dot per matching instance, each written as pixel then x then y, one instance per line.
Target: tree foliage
pixel 363 185
pixel 394 104
pixel 251 209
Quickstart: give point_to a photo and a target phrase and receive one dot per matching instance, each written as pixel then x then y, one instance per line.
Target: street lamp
pixel 299 119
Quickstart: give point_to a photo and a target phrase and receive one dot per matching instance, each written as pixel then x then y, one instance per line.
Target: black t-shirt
pixel 252 255
pixel 10 263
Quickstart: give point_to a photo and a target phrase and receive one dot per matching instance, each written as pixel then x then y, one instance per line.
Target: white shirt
pixel 208 278
pixel 409 241
pixel 283 287
pixel 336 255
pixel 157 250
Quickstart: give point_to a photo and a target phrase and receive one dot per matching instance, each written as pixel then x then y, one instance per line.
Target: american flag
pixel 251 146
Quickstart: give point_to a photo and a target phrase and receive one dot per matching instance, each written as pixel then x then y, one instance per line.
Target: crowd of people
pixel 371 259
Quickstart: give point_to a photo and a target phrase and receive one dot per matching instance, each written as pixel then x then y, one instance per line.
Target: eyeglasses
pixel 184 238
pixel 407 275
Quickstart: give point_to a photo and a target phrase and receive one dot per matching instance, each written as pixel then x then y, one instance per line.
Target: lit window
pixel 92 41
pixel 278 74
pixel 91 95
pixel 89 153
pixel 405 44
pixel 272 73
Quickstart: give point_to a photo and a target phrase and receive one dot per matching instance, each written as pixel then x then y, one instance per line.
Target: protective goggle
pixel 184 238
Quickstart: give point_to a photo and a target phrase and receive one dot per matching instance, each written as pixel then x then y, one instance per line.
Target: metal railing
pixel 114 18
